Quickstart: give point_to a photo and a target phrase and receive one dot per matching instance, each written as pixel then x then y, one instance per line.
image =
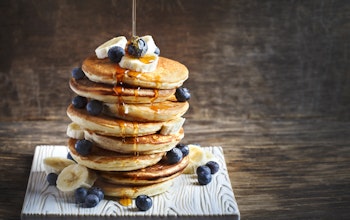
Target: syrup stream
pixel 133 18
pixel 125 201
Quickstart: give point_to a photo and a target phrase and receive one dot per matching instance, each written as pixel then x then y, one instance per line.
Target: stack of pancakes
pixel 141 120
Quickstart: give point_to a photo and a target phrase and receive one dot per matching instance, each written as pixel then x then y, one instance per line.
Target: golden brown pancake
pixel 169 74
pixel 118 93
pixel 105 125
pixel 160 111
pixel 147 144
pixel 124 191
pixel 139 182
pixel 159 172
pixel 105 160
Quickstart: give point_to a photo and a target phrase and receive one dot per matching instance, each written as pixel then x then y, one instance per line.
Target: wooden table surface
pixel 270 83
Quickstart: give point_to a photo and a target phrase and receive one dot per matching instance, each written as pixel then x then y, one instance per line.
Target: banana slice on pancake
pixel 169 74
pixel 104 160
pixel 119 93
pixel 147 144
pixel 75 131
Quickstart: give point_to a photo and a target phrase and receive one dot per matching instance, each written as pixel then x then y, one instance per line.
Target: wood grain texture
pixel 185 198
pixel 269 81
pixel 258 58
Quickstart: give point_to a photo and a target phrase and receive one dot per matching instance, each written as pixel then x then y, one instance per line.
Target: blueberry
pixel 202 169
pixel 214 166
pixel 174 155
pixel 157 51
pixel 204 178
pixel 83 147
pixel 80 194
pixel 77 73
pixel 143 202
pixel 97 191
pixel 137 47
pixel 94 107
pixel 79 102
pixel 115 54
pixel 51 179
pixel 69 156
pixel 184 149
pixel 91 200
pixel 182 94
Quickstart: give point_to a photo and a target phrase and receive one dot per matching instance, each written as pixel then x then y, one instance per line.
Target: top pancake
pixel 169 73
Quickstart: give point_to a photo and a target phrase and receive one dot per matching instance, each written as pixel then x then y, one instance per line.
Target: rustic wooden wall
pixel 257 58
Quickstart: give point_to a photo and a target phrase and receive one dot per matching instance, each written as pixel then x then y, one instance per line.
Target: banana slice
pixel 56 164
pixel 173 126
pixel 75 176
pixel 150 44
pixel 75 131
pixel 198 157
pixel 210 157
pixel 148 63
pixel 102 50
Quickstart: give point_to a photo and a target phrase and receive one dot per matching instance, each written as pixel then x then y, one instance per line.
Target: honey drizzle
pixel 137 93
pixel 119 74
pixel 156 95
pixel 118 88
pixel 147 59
pixel 158 80
pixel 136 129
pixel 133 18
pixel 135 138
pixel 125 201
pixel 122 126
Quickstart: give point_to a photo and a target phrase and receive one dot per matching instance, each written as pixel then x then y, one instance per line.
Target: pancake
pixel 162 171
pixel 161 111
pixel 139 182
pixel 124 191
pixel 148 144
pixel 110 126
pixel 118 93
pixel 169 74
pixel 104 160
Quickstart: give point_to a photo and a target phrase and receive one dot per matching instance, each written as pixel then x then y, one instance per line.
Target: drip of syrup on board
pixel 125 201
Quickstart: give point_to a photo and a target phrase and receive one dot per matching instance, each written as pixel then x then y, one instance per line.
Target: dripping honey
pixel 125 201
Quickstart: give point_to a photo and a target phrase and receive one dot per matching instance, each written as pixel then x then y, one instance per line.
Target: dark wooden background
pixel 269 79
